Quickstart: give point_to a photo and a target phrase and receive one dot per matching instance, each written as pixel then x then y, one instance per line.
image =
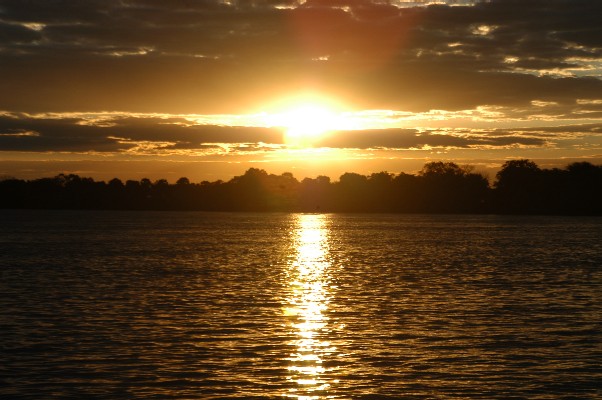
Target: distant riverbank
pixel 520 187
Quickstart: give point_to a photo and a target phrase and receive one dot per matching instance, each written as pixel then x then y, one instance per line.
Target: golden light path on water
pixel 305 312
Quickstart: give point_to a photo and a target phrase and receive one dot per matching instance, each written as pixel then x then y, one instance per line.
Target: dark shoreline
pixel 520 188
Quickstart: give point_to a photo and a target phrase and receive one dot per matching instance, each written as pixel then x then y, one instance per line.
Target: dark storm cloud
pixel 209 56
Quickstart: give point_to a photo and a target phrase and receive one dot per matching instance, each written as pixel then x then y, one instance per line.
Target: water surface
pixel 217 305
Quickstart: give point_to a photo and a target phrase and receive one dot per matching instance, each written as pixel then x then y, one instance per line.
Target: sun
pixel 306 120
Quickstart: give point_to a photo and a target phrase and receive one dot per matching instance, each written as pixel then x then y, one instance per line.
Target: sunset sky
pixel 207 89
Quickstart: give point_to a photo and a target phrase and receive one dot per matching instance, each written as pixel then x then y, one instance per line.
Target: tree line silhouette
pixel 520 187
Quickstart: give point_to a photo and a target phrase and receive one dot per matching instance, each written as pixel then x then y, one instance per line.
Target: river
pixel 114 305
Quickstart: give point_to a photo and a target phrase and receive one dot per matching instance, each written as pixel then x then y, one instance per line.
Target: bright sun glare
pixel 305 120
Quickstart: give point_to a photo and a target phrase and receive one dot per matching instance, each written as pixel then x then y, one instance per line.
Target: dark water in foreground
pixel 193 305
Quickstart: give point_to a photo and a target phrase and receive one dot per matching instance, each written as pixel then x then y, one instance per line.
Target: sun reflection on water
pixel 306 310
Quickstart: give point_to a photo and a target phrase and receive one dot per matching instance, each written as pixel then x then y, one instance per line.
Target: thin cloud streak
pixel 178 135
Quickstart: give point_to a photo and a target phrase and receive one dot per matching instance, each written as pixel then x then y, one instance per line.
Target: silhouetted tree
pixel 115 194
pixel 249 191
pixel 315 194
pixel 380 192
pixel 13 193
pixel 441 187
pixel 518 186
pixel 352 193
pixel 584 188
pixel 184 196
pixel 406 193
pixel 183 181
pixel 449 188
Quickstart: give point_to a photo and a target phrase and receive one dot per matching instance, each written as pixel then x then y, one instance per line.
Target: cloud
pixel 146 79
pixel 215 56
pixel 404 139
pixel 20 132
pixel 170 135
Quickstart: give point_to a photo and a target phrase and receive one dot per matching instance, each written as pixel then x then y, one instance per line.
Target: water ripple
pixel 190 305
